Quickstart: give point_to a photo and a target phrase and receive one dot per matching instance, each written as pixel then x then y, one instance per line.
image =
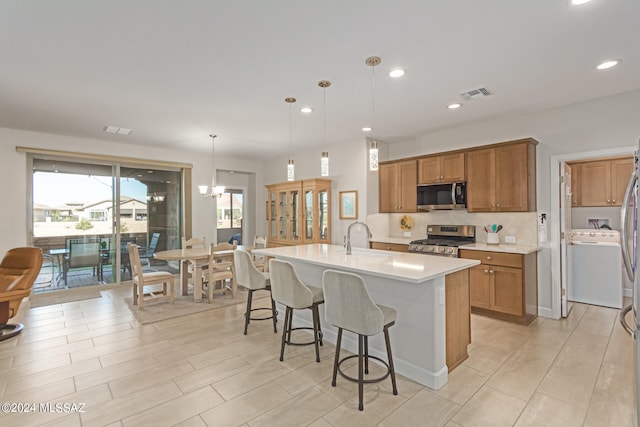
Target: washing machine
pixel 595 264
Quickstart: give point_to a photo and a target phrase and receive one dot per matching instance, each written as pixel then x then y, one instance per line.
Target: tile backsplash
pixel 521 225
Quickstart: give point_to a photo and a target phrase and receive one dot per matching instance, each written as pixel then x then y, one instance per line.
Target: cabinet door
pixel 595 183
pixel 408 193
pixel 307 215
pixel 506 290
pixel 481 180
pixel 452 167
pixel 322 210
pixel 294 215
pixel 479 288
pixel 576 169
pixel 512 178
pixel 429 170
pixel 620 172
pixel 388 187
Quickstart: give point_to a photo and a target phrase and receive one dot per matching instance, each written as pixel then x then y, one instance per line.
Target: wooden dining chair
pixel 219 272
pixel 141 280
pixel 193 243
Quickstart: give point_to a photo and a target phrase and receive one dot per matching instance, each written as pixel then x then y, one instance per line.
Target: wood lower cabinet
pixel 442 168
pixel 398 247
pixel 504 286
pixel 397 186
pixel 458 317
pixel 600 182
pixel 502 178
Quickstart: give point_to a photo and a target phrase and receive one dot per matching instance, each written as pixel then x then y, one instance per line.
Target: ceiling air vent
pixel 476 94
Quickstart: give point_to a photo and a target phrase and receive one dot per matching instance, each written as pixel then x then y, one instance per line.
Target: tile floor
pixel 199 370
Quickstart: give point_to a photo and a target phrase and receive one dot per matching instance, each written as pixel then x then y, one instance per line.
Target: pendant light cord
pixel 290 130
pixel 373 104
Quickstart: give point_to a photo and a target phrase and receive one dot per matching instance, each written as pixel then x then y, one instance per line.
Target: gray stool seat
pixel 248 276
pixel 349 306
pixel 293 294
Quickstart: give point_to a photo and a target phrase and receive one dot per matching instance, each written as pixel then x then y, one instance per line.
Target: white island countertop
pixel 406 267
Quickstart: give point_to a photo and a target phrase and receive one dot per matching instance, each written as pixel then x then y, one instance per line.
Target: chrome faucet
pixel 348 243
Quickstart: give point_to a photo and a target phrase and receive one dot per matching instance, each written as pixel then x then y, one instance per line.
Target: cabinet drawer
pixel 493 258
pixel 390 246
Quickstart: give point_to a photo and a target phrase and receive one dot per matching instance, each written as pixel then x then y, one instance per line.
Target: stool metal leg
pixel 390 357
pixel 337 358
pixel 247 314
pixel 286 331
pixel 316 326
pixel 366 354
pixel 360 372
pixel 274 314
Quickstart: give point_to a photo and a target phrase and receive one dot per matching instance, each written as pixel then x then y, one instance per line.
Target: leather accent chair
pixel 18 271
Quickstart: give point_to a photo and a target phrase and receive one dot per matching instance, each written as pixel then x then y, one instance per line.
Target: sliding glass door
pixel 84 214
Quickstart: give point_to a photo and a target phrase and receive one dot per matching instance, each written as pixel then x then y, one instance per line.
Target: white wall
pixel 605 124
pixel 348 170
pixel 14 173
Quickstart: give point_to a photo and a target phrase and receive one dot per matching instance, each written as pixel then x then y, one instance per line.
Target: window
pixel 229 209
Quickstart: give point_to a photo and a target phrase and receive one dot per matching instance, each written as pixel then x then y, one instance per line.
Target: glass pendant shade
pixel 373 156
pixel 291 173
pixel 324 164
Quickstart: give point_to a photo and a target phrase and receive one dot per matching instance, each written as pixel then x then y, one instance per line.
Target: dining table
pixel 198 257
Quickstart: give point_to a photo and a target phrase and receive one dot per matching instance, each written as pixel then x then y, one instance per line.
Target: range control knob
pixel 430 250
pixel 450 251
pixel 419 248
pixel 442 250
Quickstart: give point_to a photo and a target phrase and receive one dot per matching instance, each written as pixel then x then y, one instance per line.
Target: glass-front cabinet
pixel 298 212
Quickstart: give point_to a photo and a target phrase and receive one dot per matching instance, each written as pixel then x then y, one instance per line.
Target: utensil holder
pixel 493 239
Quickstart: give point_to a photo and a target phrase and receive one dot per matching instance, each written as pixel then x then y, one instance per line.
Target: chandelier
pixel 216 190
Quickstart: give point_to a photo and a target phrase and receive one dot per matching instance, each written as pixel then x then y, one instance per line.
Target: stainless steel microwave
pixel 451 195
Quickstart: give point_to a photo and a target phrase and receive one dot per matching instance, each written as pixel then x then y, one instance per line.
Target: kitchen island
pixel 430 294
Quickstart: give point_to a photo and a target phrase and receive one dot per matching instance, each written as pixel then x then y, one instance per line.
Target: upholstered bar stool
pixel 248 276
pixel 349 306
pixel 288 290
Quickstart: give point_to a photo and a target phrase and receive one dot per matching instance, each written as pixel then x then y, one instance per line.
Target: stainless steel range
pixel 444 240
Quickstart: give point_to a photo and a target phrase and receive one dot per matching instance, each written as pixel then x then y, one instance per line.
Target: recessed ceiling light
pixel 396 72
pixel 454 106
pixel 579 2
pixel 366 129
pixel 306 110
pixel 608 64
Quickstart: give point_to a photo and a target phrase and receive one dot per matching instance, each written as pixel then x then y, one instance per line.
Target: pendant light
pixel 324 159
pixel 290 166
pixel 216 190
pixel 372 61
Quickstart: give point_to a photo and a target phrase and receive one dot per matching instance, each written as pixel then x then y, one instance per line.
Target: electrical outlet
pixel 509 239
pixel 407 234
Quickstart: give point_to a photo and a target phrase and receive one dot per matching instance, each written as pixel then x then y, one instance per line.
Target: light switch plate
pixel 509 239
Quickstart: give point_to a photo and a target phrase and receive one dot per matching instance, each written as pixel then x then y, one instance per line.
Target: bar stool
pixel 287 289
pixel 349 306
pixel 248 276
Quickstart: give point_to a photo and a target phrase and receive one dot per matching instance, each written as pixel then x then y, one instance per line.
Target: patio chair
pixel 18 271
pixel 148 254
pixel 82 253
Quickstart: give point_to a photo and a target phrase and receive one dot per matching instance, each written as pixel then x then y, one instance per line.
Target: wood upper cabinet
pixel 502 178
pixel 397 186
pixel 576 194
pixel 602 182
pixel 442 168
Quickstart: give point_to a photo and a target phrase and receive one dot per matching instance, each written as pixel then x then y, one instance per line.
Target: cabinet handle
pixel 486 271
pixel 613 201
pixel 498 205
pixel 490 271
pixel 609 201
pixel 388 248
pixel 488 257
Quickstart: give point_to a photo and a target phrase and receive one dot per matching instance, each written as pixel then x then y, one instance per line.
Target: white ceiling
pixel 175 71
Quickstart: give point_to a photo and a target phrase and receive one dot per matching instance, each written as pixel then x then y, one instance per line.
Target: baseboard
pixel 545 312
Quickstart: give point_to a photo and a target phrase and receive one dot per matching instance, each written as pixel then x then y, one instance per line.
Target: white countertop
pixel 395 240
pixel 513 249
pixel 406 267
